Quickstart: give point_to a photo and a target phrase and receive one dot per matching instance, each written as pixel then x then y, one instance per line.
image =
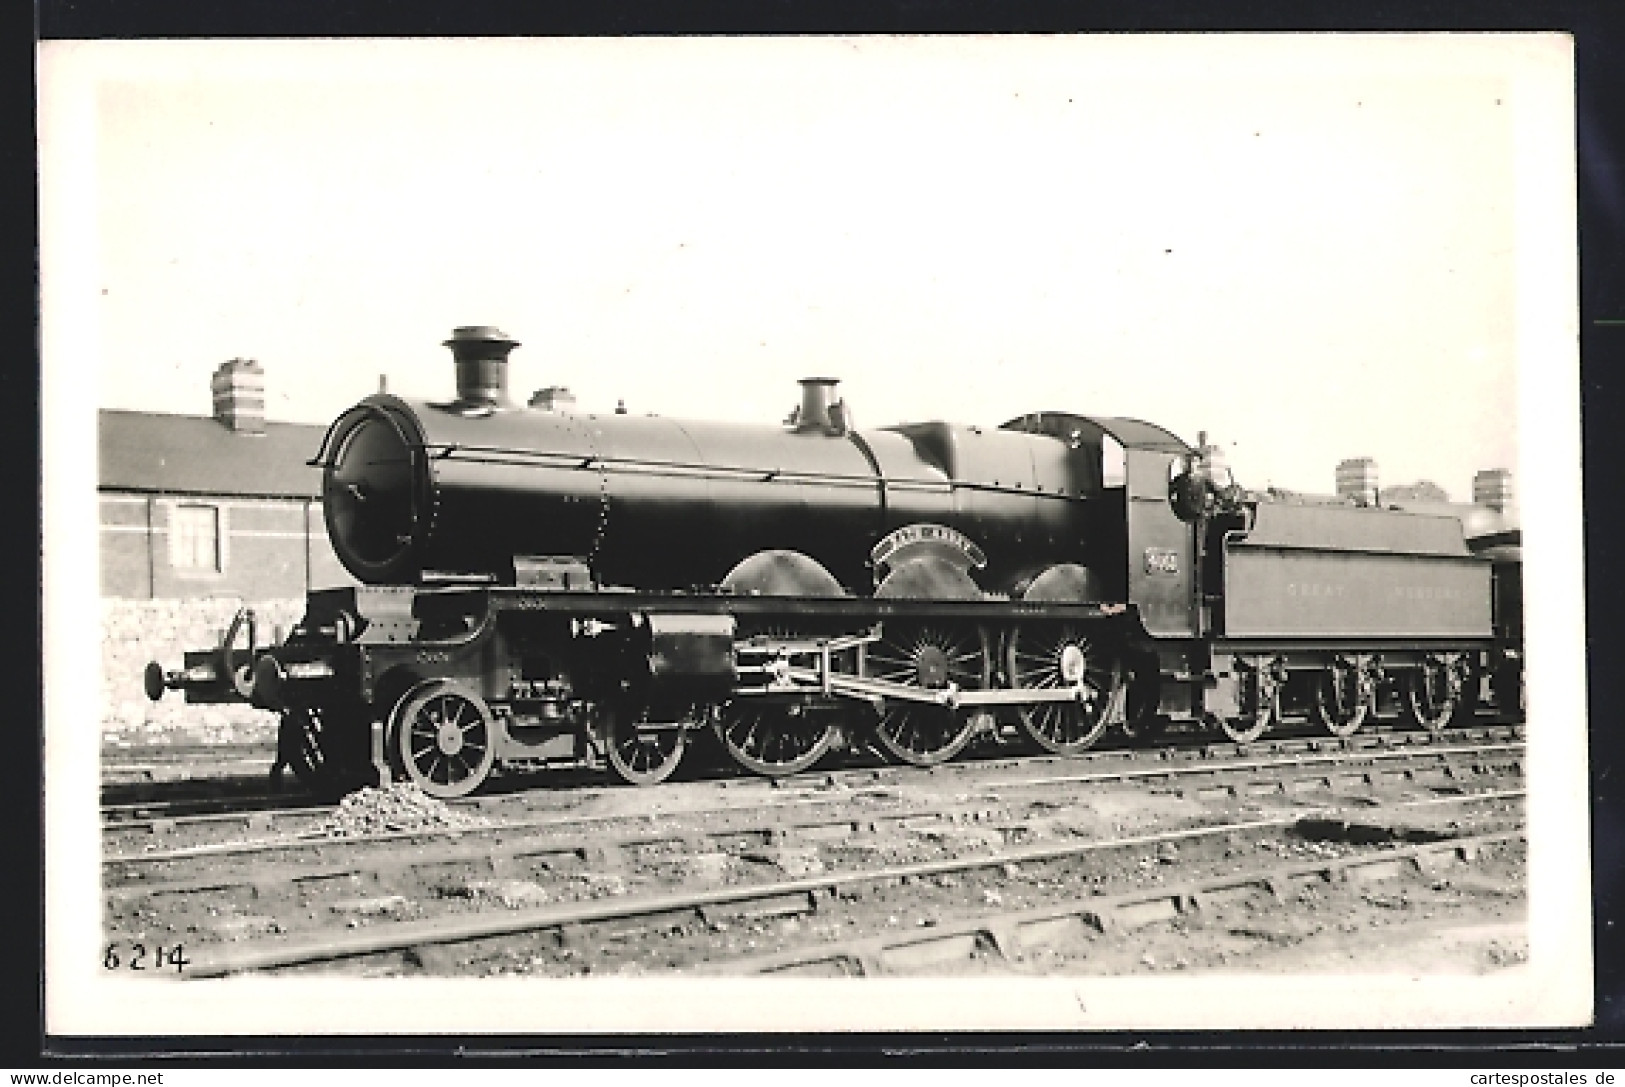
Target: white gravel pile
pixel 400 806
pixel 137 631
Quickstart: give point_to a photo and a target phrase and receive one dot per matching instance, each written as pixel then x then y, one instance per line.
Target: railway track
pixel 576 928
pixel 1021 810
pixel 207 767
pixel 1006 819
pixel 266 811
pixel 796 811
pixel 1006 940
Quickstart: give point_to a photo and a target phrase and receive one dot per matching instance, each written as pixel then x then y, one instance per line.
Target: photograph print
pixel 833 533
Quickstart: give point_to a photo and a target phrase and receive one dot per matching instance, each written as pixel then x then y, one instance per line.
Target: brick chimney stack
pixel 1357 480
pixel 1493 488
pixel 239 396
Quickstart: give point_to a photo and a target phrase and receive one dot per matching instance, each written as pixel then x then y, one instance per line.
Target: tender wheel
pixel 1341 705
pixel 1246 728
pixel 920 733
pixel 773 739
pixel 315 744
pixel 1062 658
pixel 1434 694
pixel 443 737
pixel 641 756
pixel 1241 730
pixel 1260 703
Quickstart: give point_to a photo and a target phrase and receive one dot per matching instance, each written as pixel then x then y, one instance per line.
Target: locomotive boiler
pixel 475 487
pixel 543 588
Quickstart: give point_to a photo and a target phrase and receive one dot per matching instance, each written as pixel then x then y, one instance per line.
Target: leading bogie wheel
pixel 636 753
pixel 774 738
pixel 443 737
pixel 311 742
pixel 934 658
pixel 1063 658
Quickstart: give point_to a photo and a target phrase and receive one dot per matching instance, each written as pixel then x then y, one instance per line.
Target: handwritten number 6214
pixel 139 958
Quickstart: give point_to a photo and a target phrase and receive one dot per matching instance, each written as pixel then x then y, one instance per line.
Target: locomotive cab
pixel 1142 550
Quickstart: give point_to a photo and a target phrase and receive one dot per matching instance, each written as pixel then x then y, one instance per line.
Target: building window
pixel 194 539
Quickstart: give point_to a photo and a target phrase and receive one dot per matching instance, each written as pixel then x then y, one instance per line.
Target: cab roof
pixel 1129 433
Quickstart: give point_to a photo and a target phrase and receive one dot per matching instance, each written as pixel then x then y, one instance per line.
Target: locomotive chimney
pixel 820 412
pixel 482 365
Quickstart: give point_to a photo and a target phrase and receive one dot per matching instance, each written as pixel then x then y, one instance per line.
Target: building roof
pixel 190 454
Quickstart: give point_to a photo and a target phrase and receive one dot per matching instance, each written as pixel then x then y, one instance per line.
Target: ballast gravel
pixel 400 806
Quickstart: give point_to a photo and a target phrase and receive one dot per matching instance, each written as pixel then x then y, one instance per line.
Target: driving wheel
pixel 1062 658
pixel 774 739
pixel 933 658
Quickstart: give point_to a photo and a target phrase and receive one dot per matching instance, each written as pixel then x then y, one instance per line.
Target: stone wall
pixel 137 631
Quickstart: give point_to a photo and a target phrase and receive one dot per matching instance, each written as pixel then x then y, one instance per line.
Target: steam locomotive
pixel 542 588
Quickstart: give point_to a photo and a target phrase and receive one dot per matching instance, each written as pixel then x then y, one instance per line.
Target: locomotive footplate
pixel 460 601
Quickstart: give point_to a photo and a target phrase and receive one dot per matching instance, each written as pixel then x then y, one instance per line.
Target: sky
pixel 1305 246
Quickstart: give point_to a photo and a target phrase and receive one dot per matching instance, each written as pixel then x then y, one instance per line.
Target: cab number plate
pixel 1161 560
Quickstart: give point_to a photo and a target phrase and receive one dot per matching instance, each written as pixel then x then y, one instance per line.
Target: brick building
pixel 1488 520
pixel 191 506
